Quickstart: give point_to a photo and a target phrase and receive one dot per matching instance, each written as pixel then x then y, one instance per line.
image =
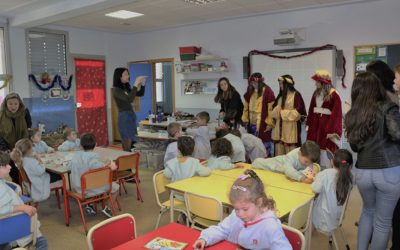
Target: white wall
pixel 343 26
pixel 112 46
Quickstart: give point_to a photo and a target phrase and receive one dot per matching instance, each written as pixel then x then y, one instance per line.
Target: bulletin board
pixel 363 54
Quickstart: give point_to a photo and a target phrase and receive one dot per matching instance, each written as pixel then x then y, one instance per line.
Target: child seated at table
pixel 41 181
pixel 39 146
pixel 221 151
pixel 202 149
pixel 71 142
pixel 10 202
pixel 86 160
pixel 293 163
pixel 253 145
pixel 174 132
pixel 239 152
pixel 332 186
pixel 252 224
pixel 185 166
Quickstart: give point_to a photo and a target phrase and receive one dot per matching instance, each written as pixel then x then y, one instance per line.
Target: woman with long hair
pixel 373 131
pixel 324 118
pixel 124 96
pixel 288 112
pixel 257 112
pixel 231 104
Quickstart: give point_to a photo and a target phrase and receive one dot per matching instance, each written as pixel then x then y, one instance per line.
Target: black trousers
pixel 14 172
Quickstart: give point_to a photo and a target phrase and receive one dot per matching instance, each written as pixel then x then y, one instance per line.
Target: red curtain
pixel 91 98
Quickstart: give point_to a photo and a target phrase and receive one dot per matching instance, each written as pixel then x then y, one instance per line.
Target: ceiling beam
pixel 62 10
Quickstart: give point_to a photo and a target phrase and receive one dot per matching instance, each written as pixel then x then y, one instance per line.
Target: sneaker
pixel 90 210
pixel 107 212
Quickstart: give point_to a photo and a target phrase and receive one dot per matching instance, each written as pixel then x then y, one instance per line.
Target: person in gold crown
pixel 288 113
pixel 324 119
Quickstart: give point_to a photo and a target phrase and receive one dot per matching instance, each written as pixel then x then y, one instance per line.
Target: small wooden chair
pixel 25 179
pixel 90 180
pixel 112 232
pixel 203 210
pixel 159 183
pixel 128 170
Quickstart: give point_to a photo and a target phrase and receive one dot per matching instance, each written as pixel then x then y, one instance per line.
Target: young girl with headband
pixel 253 223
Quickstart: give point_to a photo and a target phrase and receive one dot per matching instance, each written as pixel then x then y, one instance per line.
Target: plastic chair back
pixel 205 207
pixel 112 232
pixel 300 217
pixel 16 226
pixel 159 183
pixel 295 237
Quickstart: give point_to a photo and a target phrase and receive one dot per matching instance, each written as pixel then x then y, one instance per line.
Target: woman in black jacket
pixel 229 98
pixel 373 130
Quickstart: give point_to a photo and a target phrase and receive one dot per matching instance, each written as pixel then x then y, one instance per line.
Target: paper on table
pixel 160 243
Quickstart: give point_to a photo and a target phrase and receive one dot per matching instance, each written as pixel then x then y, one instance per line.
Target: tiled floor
pixel 73 237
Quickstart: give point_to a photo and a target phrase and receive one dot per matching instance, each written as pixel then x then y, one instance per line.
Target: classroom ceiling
pixel 158 14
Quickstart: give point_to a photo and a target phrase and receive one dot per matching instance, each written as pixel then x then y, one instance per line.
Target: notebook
pixel 160 243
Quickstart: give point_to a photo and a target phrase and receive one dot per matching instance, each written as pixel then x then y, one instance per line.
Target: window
pixel 47 52
pixel 3 89
pixel 159 83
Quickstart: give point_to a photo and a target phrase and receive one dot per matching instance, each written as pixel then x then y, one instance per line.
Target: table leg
pixel 171 208
pixel 66 206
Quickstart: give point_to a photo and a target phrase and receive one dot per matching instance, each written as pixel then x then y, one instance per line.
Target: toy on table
pixel 309 172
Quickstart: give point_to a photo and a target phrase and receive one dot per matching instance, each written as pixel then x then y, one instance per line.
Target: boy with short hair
pixel 71 141
pixel 293 163
pixel 174 132
pixel 84 161
pixel 202 149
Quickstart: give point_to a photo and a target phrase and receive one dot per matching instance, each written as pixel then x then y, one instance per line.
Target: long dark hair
pixel 343 161
pixel 367 94
pixel 287 86
pixel 221 95
pixel 260 81
pixel 383 72
pixel 117 79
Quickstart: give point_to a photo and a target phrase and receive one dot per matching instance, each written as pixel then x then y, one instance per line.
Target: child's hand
pixel 107 162
pixel 238 165
pixel 199 244
pixel 113 166
pixel 307 180
pixel 37 157
pixel 51 150
pixel 29 210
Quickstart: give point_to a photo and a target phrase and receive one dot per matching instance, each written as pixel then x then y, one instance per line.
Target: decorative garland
pixel 257 52
pixel 61 82
pixel 57 78
pixel 41 86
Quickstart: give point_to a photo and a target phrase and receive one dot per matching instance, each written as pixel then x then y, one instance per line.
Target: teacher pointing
pixel 124 96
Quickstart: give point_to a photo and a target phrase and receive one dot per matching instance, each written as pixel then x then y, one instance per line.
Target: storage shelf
pixel 205 60
pixel 195 72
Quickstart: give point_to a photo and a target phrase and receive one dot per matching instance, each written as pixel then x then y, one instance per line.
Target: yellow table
pixel 269 178
pixel 218 186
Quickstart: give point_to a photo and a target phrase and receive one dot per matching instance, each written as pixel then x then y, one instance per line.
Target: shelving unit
pixel 200 85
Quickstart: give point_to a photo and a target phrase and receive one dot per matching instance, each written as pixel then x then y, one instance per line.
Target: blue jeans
pixel 41 244
pixel 380 191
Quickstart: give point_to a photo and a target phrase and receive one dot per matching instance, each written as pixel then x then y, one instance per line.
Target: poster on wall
pixel 363 54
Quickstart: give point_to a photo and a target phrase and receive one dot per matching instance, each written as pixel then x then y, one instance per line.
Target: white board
pixel 300 68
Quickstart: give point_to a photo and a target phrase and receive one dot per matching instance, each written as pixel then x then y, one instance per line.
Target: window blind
pixel 47 53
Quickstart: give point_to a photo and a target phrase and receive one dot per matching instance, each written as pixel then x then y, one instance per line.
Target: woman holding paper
pixel 124 97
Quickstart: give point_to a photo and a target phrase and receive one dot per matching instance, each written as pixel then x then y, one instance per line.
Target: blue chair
pixel 16 226
pixel 17 189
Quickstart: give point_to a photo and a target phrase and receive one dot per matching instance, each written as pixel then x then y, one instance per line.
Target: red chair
pixel 112 232
pixel 90 180
pixel 25 178
pixel 295 237
pixel 128 170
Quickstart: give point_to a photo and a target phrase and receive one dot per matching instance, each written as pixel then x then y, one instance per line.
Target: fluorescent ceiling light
pixel 124 14
pixel 199 2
